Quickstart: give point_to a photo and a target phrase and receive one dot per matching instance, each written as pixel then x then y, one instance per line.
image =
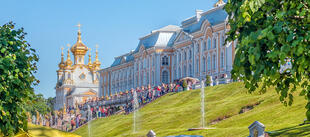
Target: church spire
pixel 79 39
pixel 97 53
pixel 62 64
pixel 89 59
pixel 68 61
pixel 97 62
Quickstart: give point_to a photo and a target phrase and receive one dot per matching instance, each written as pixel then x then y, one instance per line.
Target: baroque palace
pixel 194 49
pixel 77 81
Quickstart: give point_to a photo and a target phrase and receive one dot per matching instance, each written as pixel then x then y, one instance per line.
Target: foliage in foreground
pixel 270 33
pixel 17 66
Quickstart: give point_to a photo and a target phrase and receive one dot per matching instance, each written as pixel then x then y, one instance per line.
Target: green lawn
pixel 173 114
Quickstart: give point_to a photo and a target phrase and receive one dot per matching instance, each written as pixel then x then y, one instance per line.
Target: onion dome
pixel 96 62
pixel 68 62
pixel 62 63
pixel 90 65
pixel 79 48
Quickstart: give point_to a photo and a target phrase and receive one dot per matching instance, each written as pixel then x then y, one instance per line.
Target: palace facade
pixel 77 81
pixel 194 49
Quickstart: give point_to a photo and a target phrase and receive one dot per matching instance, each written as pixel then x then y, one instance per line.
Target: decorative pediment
pixel 182 37
pixel 90 92
pixel 142 48
pixel 123 59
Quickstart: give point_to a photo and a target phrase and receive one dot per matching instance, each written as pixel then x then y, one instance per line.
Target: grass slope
pixel 173 114
pixel 41 131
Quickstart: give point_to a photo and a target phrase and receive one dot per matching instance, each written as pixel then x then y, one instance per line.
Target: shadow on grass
pixel 41 131
pixel 294 131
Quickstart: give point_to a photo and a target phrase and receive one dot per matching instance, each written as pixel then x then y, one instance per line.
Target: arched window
pixel 69 75
pixel 214 43
pixel 197 48
pixel 165 77
pixel 222 59
pixel 202 45
pixel 179 57
pixel 165 60
pixel 205 45
pixel 147 78
pixel 190 54
pixel 222 40
pixel 184 71
pixel 190 70
pixel 153 61
pixel 204 64
pixel 214 62
pixel 137 80
pixel 184 55
pixel 179 72
pixel 197 65
pixel 144 63
pixel 141 65
pixel 209 43
pixel 175 73
pixel 141 79
pixel 209 63
pixel 174 59
pixel 153 78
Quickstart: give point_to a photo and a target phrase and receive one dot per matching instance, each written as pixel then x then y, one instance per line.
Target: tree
pixel 51 102
pixel 208 80
pixel 270 33
pixel 17 68
pixel 40 104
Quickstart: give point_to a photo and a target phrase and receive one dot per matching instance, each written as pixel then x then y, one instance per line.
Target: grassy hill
pixel 173 114
pixel 41 131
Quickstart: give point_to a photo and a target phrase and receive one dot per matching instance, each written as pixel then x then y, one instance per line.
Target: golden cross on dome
pixel 97 46
pixel 79 26
pixel 68 45
pixel 62 50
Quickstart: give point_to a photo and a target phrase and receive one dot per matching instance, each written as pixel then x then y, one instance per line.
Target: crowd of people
pixel 72 117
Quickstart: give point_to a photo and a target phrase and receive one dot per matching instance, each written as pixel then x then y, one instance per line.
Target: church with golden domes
pixel 76 80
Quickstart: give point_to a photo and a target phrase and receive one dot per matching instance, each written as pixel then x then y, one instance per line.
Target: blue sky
pixel 115 25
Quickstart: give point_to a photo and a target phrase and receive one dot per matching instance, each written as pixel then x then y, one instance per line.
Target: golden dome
pixel 62 63
pixel 68 62
pixel 96 63
pixel 89 60
pixel 79 48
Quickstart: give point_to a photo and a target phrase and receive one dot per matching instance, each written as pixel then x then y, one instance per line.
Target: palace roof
pixel 165 37
pixel 214 16
pixel 123 59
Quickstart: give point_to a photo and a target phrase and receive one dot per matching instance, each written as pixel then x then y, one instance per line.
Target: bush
pixel 184 85
pixel 208 80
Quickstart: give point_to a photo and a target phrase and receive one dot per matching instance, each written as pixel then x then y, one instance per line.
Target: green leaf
pixel 3 50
